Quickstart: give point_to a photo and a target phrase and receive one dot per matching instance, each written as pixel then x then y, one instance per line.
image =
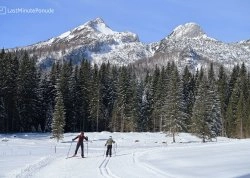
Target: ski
pixel 74 157
pixel 71 157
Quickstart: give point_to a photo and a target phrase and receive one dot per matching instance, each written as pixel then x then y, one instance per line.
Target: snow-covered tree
pixel 27 92
pixel 174 108
pixel 222 88
pixel 58 122
pixel 206 118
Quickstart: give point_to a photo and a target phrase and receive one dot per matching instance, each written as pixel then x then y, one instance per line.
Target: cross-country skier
pixel 80 137
pixel 109 146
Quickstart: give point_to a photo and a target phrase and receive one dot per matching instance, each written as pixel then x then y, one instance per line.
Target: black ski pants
pixel 109 150
pixel 82 148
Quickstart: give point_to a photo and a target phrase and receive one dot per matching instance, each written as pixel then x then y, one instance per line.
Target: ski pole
pixel 115 148
pixel 87 149
pixel 69 149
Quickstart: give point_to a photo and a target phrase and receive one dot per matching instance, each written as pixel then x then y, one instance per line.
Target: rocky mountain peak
pixel 98 25
pixel 94 41
pixel 188 30
pixel 98 20
pixel 188 45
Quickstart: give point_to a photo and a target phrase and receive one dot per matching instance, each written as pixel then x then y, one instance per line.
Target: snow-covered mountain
pixel 188 45
pixel 94 41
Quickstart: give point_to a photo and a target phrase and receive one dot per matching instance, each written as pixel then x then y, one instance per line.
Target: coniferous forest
pixel 111 98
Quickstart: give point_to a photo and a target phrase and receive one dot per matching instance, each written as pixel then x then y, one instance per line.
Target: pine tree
pixel 233 79
pixel 206 119
pixel 2 106
pixel 155 90
pixel 199 124
pixel 8 80
pixel 222 87
pixel 46 101
pixel 73 98
pixel 213 105
pixel 146 105
pixel 114 125
pixel 58 122
pixel 232 110
pixel 122 98
pixel 122 111
pixel 107 95
pixel 247 125
pixel 242 113
pixel 27 93
pixel 76 100
pixel 85 85
pixel 174 108
pixel 95 102
pixel 54 76
pixel 188 94
pixel 134 103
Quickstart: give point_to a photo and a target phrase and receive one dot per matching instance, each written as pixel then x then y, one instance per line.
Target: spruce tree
pixel 8 94
pixel 222 87
pixel 122 113
pixel 199 122
pixel 46 101
pixel 146 105
pixel 27 93
pixel 188 90
pixel 241 115
pixel 85 77
pixel 95 102
pixel 174 108
pixel 155 90
pixel 64 86
pixel 134 104
pixel 107 95
pixel 231 114
pixel 213 105
pixel 58 122
pixel 2 115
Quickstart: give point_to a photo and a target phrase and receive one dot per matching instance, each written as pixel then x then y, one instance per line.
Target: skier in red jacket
pixel 80 137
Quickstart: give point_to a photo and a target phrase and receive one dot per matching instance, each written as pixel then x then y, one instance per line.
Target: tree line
pixel 111 98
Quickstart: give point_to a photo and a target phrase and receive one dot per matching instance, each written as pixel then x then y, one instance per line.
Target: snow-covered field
pixel 136 155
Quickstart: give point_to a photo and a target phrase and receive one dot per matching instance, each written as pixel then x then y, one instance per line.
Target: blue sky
pixel 152 20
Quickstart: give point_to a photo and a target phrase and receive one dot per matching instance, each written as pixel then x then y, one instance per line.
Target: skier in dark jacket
pixel 109 146
pixel 80 137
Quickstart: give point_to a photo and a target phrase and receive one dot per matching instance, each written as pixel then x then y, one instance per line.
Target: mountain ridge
pixel 188 45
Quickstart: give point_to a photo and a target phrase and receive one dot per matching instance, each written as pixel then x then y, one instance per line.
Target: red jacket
pixel 80 138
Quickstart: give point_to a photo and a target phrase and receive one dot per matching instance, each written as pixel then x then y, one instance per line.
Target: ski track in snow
pixel 148 167
pixel 130 165
pixel 32 169
pixel 104 170
pixel 148 158
pixel 126 160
